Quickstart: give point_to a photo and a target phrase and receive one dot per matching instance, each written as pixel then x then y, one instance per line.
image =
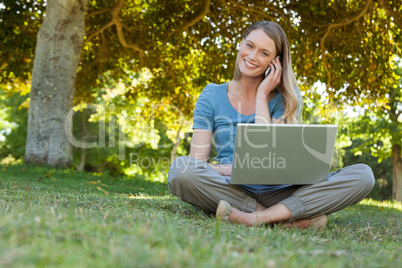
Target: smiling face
pixel 256 52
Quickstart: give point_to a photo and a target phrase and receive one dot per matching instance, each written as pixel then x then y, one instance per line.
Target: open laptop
pixel 282 154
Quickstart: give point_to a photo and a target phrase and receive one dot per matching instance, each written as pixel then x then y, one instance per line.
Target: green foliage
pixel 13 124
pixel 19 21
pixel 382 128
pixel 97 158
pixel 354 39
pixel 347 148
pixel 382 171
pixel 165 52
pixel 128 136
pixel 63 218
pixel 131 137
pixel 347 45
pixel 379 131
pixel 350 51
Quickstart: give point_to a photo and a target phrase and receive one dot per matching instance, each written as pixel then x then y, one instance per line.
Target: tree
pixel 57 56
pixel 185 44
pixel 381 130
pixel 339 43
pixel 347 45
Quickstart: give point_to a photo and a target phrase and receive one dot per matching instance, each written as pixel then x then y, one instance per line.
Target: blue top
pixel 214 112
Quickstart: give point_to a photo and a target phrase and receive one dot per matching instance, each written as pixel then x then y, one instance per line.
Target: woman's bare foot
pixel 318 222
pixel 277 214
pixel 251 219
pixel 248 219
pixel 228 213
pixel 300 224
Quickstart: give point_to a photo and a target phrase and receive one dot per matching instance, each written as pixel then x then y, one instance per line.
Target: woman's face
pixel 256 52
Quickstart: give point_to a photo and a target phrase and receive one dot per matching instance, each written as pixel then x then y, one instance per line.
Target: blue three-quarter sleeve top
pixel 214 112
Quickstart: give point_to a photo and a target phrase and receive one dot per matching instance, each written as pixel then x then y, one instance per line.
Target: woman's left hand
pixel 273 79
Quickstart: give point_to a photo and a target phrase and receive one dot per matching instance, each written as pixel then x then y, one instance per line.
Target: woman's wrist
pixel 263 95
pixel 262 114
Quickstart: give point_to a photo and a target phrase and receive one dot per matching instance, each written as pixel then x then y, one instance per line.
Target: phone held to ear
pixel 267 72
pixel 269 68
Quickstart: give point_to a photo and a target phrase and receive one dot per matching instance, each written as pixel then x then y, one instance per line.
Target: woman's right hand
pixel 273 79
pixel 262 115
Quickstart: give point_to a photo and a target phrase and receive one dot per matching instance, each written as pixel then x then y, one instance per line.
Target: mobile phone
pixel 269 68
pixel 267 71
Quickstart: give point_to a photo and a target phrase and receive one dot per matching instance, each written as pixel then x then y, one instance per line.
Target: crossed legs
pixel 195 182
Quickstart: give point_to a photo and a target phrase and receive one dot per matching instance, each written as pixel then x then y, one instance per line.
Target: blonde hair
pixel 292 100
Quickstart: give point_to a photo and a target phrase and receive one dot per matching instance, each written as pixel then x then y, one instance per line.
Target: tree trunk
pixel 57 56
pixel 81 166
pixel 397 173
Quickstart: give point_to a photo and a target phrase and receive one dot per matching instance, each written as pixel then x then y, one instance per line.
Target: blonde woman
pixel 255 96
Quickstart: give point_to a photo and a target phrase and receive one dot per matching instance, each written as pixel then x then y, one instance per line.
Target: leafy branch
pixel 394 14
pixel 253 10
pixel 115 11
pixel 329 30
pixel 199 17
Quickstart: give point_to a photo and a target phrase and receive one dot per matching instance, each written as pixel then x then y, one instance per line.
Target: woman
pixel 251 97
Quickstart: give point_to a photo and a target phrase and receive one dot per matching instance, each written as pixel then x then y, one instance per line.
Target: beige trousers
pixel 196 183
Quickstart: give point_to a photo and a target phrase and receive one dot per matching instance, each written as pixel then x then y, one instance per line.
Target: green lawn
pixel 63 218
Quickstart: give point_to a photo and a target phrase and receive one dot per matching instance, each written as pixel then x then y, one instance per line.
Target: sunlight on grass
pixel 383 204
pixel 64 218
pixel 141 196
pixel 10 160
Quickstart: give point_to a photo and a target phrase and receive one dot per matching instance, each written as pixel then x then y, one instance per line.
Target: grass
pixel 62 218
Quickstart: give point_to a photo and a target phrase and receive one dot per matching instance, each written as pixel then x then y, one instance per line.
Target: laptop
pixel 270 154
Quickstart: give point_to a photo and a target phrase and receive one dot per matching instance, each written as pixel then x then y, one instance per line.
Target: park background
pixel 97 99
pixel 124 76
